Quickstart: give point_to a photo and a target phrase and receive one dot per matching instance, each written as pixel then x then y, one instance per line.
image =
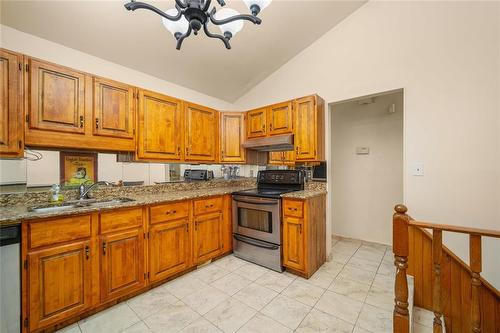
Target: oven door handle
pixel 255 242
pixel 256 202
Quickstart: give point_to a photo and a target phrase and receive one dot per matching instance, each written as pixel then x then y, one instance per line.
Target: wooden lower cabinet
pixel 59 283
pixel 169 248
pixel 122 263
pixel 304 234
pixel 207 236
pixel 76 264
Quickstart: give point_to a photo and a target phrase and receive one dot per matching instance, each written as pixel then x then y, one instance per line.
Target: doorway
pixel 366 160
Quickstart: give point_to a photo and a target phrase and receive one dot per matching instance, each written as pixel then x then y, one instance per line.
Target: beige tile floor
pixel 352 292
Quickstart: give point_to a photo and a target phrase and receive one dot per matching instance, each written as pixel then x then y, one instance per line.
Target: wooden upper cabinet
pixel 201 133
pixel 280 118
pixel 59 283
pixel 282 157
pixel 257 123
pixel 122 263
pixel 113 109
pixel 55 98
pixel 232 136
pixel 11 104
pixel 309 129
pixel 169 248
pixel 159 127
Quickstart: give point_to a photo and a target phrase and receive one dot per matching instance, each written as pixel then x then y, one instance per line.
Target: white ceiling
pixel 138 40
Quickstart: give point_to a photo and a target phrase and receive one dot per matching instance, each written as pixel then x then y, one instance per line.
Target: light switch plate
pixel 362 150
pixel 418 169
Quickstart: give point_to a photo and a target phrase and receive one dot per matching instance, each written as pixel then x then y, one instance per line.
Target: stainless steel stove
pixel 257 217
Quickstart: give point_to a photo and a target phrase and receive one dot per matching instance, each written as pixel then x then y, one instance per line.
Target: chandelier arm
pixel 207 5
pixel 211 35
pixel 133 5
pixel 247 17
pixel 180 3
pixel 182 37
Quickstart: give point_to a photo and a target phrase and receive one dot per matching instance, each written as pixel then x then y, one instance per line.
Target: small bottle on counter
pixel 56 195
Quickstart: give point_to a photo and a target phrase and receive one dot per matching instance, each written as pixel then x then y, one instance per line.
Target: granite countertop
pixel 14 214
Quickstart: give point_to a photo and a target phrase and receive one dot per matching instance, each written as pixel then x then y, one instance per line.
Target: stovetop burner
pixel 267 193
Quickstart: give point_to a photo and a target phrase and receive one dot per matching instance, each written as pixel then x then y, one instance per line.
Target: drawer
pixel 208 205
pixel 48 232
pixel 293 208
pixel 169 212
pixel 120 219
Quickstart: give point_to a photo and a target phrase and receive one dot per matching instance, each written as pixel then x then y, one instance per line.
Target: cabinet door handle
pixel 263 127
pixel 187 151
pixel 178 150
pixel 81 121
pixel 271 126
pixel 96 123
pixel 300 228
pixel 87 252
pixel 187 227
pixel 297 150
pixel 104 248
pixel 222 153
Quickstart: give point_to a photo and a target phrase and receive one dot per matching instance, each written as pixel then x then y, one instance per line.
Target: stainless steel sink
pixel 79 203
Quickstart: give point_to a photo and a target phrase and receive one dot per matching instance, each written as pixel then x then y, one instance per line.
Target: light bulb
pixel 256 6
pixel 175 27
pixel 232 27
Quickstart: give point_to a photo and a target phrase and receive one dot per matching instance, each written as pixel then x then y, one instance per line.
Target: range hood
pixel 271 143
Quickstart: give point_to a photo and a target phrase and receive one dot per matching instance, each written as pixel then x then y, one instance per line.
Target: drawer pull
pixel 87 252
pixel 171 212
pixel 209 206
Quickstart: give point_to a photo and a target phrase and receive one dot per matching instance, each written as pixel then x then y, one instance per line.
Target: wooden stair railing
pixel 401 224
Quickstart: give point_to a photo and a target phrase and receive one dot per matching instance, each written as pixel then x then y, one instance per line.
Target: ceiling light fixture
pixel 193 15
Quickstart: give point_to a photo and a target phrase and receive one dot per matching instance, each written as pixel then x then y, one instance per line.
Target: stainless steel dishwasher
pixel 10 279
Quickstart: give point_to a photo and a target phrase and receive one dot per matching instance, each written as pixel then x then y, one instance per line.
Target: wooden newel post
pixel 401 318
pixel 437 252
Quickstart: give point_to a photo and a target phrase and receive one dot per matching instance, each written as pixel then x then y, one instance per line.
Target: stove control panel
pixel 280 177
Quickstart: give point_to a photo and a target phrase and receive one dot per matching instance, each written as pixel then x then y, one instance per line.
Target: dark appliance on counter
pixel 257 217
pixel 198 174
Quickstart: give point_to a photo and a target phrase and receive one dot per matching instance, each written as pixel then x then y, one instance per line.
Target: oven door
pixel 257 217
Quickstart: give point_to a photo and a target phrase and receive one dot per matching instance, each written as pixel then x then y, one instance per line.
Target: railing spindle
pixel 475 266
pixel 437 250
pixel 401 318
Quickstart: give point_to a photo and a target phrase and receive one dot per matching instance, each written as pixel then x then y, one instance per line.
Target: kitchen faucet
pixel 84 191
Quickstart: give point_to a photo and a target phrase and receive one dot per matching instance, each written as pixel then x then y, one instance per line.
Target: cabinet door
pixel 122 263
pixel 169 248
pixel 11 104
pixel 232 135
pixel 59 283
pixel 293 243
pixel 159 127
pixel 276 157
pixel 306 131
pixel 113 109
pixel 289 157
pixel 56 98
pixel 201 133
pixel 207 236
pixel 256 123
pixel 279 118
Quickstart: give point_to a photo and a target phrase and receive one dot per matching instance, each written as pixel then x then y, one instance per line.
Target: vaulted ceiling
pixel 139 41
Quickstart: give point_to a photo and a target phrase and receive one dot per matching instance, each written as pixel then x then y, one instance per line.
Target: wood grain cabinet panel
pixel 168 212
pixel 282 158
pixel 257 123
pixel 159 127
pixel 232 136
pixel 169 248
pixel 11 104
pixel 201 133
pixel 59 282
pixel 293 243
pixel 207 236
pixel 209 205
pixel 55 98
pixel 280 118
pixel 113 109
pixel 309 129
pixel 304 234
pixel 122 263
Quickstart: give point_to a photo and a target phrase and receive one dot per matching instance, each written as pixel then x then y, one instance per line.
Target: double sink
pixel 77 204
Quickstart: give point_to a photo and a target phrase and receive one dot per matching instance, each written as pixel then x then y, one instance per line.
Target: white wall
pixel 366 187
pixel 31 45
pixel 446 57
